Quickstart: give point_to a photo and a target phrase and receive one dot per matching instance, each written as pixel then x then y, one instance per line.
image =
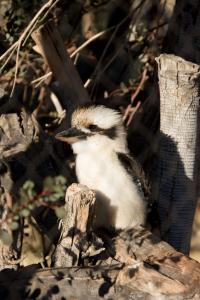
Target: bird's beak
pixel 71 135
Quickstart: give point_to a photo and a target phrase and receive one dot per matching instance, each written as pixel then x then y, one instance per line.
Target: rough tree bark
pixel 76 225
pixel 179 140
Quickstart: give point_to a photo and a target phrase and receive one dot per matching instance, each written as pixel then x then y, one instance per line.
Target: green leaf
pixel 28 185
pixel 60 180
pixel 31 206
pixel 25 212
pixel 16 218
pixel 14 225
pixel 6 237
pixel 53 197
pixel 57 189
pixel 48 182
pixel 23 196
pixel 31 193
pixel 45 198
pixel 60 212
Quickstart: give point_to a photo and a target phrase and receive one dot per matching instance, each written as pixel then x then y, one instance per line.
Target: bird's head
pixel 95 127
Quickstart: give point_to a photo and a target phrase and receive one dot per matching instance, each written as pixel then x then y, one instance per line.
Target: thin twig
pixel 85 44
pixel 56 104
pixel 109 62
pixel 114 33
pixel 30 32
pixel 143 79
pixel 27 29
pixel 49 9
pixel 94 37
pixel 7 60
pixel 129 15
pixel 16 69
pixel 41 79
pixel 105 50
pixel 133 113
pixel 88 81
pixel 133 97
pixel 9 200
pixel 37 21
pixel 8 51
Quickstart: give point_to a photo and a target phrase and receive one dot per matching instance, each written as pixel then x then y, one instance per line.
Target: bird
pixel 103 163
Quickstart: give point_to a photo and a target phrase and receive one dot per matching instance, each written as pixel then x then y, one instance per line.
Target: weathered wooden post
pixel 178 153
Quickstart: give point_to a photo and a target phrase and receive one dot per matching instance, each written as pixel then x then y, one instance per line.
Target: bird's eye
pixel 93 127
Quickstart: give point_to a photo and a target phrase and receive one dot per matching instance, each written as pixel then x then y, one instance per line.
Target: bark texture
pixel 178 156
pixel 76 225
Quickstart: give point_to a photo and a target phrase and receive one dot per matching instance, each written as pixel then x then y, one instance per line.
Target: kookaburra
pixel 98 139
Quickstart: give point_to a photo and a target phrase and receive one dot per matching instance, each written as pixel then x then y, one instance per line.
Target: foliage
pixel 16 14
pixel 53 191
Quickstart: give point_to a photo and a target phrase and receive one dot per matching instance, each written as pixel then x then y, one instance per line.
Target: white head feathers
pixel 100 115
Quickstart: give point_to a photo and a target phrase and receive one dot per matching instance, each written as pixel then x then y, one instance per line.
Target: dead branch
pixel 81 47
pixel 51 45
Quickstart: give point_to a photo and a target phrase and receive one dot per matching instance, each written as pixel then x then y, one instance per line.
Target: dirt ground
pixel 195 243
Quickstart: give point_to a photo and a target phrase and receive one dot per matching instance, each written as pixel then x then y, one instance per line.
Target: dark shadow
pixel 27 284
pixel 182 38
pixel 105 213
pixel 13 284
pixel 104 288
pixel 176 194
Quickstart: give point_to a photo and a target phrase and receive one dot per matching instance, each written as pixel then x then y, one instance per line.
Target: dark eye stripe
pixel 94 127
pixel 111 132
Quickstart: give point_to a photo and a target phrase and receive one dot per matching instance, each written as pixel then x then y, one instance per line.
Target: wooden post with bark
pixel 177 170
pixel 182 39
